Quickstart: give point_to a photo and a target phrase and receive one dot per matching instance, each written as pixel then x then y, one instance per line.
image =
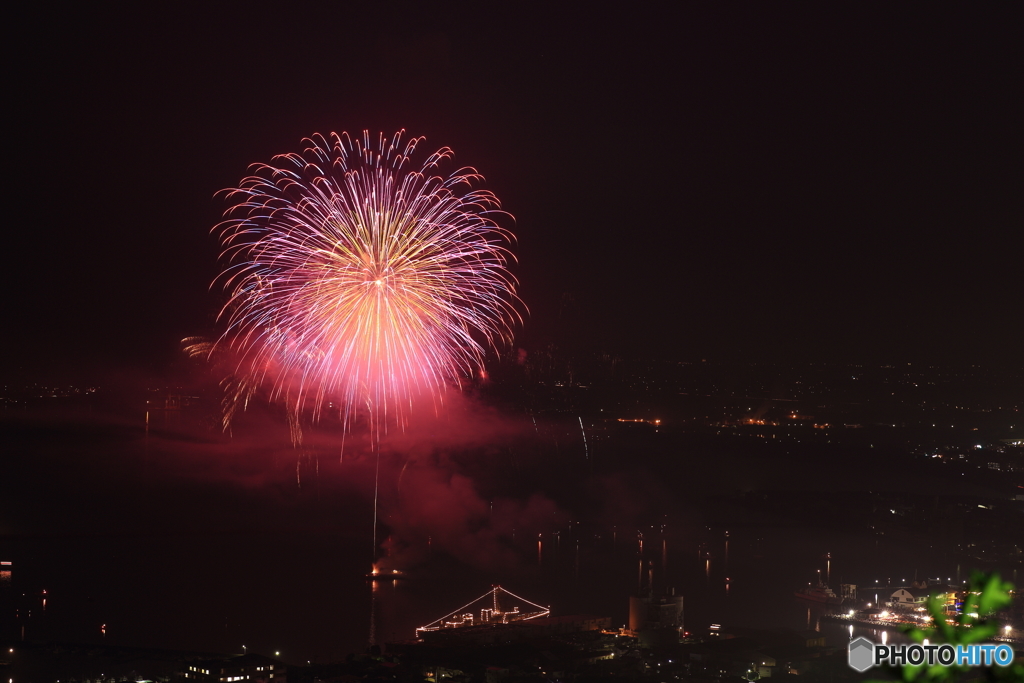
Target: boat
pixel 820 593
pixel 494 612
pixel 386 574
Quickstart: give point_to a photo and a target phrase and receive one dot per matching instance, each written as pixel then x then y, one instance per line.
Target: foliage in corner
pixel 986 594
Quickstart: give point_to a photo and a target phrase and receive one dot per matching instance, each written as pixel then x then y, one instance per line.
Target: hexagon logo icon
pixel 861 654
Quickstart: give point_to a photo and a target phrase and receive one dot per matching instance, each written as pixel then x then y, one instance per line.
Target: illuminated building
pixel 253 668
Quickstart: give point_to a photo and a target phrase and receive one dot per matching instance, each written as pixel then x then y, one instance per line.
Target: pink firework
pixel 358 280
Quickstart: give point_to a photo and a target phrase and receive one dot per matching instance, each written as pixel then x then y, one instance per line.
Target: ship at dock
pixel 501 617
pixel 495 609
pixel 820 593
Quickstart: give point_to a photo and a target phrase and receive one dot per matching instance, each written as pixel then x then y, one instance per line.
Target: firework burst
pixel 359 281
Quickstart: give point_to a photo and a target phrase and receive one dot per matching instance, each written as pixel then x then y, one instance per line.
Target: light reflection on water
pixel 192 588
pixel 321 599
pixel 756 594
pixel 306 596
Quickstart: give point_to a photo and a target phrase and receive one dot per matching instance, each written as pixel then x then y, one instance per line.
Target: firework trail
pixel 359 282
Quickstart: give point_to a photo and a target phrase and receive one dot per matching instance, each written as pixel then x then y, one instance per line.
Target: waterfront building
pixel 250 668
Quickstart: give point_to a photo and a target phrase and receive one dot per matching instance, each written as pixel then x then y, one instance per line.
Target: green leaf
pixel 986 594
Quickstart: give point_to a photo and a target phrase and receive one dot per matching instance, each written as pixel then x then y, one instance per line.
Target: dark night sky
pixel 734 181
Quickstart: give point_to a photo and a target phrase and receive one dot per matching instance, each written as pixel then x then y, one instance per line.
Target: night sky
pixel 734 181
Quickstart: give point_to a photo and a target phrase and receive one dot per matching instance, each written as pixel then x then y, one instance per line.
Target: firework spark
pixel 357 281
